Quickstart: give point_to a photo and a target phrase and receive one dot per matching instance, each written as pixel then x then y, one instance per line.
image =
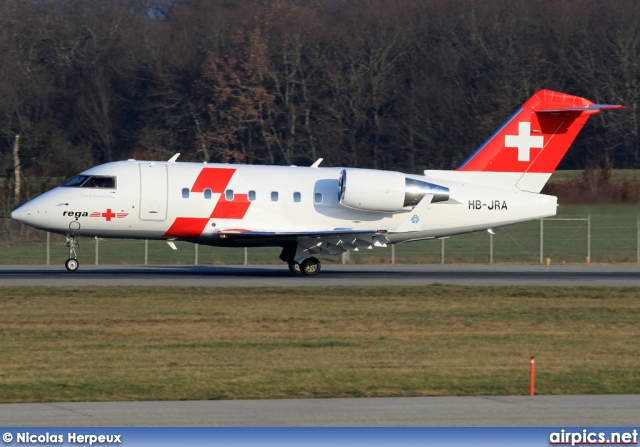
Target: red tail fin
pixel 537 136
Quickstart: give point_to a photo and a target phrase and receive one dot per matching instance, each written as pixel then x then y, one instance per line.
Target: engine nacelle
pixel 385 191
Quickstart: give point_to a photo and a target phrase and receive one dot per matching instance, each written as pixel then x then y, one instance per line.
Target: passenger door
pixel 153 191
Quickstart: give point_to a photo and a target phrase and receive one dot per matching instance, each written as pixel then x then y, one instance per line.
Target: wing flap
pixel 239 234
pixel 334 245
pixel 315 243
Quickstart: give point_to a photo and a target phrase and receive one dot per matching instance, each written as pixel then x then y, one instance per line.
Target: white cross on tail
pixel 524 141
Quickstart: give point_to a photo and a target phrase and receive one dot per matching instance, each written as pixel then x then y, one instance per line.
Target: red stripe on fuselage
pixel 187 227
pixel 215 179
pixel 234 209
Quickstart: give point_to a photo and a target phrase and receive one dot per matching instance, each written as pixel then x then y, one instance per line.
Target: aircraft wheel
pixel 294 268
pixel 310 266
pixel 72 264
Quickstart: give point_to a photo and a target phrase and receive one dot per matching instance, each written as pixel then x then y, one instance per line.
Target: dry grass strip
pixel 146 343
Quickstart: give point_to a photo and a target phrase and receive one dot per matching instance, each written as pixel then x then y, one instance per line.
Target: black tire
pixel 294 268
pixel 72 264
pixel 310 266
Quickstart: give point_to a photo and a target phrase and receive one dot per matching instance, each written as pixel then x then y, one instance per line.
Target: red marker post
pixel 532 376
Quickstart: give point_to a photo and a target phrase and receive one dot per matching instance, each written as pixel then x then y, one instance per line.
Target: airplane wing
pixel 332 242
pixel 323 243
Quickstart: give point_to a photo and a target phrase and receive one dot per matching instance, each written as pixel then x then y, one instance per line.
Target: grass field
pixel 124 343
pixel 574 174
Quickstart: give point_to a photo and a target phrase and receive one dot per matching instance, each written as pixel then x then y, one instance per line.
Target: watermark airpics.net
pixel 592 437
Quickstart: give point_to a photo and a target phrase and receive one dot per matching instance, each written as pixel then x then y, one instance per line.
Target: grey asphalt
pixel 514 411
pixel 331 275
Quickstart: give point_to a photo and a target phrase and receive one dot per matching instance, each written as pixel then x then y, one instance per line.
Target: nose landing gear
pixel 72 263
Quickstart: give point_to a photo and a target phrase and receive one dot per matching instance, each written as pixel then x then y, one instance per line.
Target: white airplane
pixel 314 211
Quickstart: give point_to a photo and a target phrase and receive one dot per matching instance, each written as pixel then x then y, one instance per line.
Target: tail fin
pixel 535 138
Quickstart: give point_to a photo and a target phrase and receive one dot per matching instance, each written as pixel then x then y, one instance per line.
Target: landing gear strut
pixel 308 267
pixel 72 263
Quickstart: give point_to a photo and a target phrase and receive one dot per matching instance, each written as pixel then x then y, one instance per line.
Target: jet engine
pixel 385 191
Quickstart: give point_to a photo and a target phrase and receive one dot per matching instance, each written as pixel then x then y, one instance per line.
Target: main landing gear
pixel 72 263
pixel 308 267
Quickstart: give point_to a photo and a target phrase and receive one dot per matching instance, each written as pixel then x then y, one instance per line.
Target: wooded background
pixel 388 84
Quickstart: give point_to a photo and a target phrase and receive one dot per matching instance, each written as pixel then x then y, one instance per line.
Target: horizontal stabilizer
pixel 593 107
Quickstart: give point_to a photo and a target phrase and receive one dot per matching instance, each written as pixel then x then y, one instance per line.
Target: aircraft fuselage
pixel 163 200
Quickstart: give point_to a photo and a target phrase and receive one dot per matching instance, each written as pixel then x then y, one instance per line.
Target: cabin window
pixel 297 197
pixel 92 181
pixel 274 196
pixel 185 193
pixel 317 198
pixel 252 196
pixel 207 193
pixel 228 195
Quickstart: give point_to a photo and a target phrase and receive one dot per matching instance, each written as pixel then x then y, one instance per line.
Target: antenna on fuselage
pixel 174 158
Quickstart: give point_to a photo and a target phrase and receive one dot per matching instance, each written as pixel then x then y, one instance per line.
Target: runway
pixel 331 275
pixel 506 411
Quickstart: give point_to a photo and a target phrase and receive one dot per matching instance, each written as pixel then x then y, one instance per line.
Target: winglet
pixel 174 158
pixel 317 163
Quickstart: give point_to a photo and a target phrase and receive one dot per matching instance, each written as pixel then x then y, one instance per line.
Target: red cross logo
pixel 108 215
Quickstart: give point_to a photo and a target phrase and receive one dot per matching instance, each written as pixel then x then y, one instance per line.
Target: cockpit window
pixel 78 180
pixel 92 181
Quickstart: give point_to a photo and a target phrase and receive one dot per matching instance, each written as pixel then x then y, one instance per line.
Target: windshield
pixel 92 181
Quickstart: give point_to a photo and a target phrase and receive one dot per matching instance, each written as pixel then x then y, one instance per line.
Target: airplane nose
pixel 34 216
pixel 21 214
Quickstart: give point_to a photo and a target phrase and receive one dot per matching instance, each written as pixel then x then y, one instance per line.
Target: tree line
pixel 387 84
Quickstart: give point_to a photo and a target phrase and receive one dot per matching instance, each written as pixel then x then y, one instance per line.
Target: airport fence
pixel 578 234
